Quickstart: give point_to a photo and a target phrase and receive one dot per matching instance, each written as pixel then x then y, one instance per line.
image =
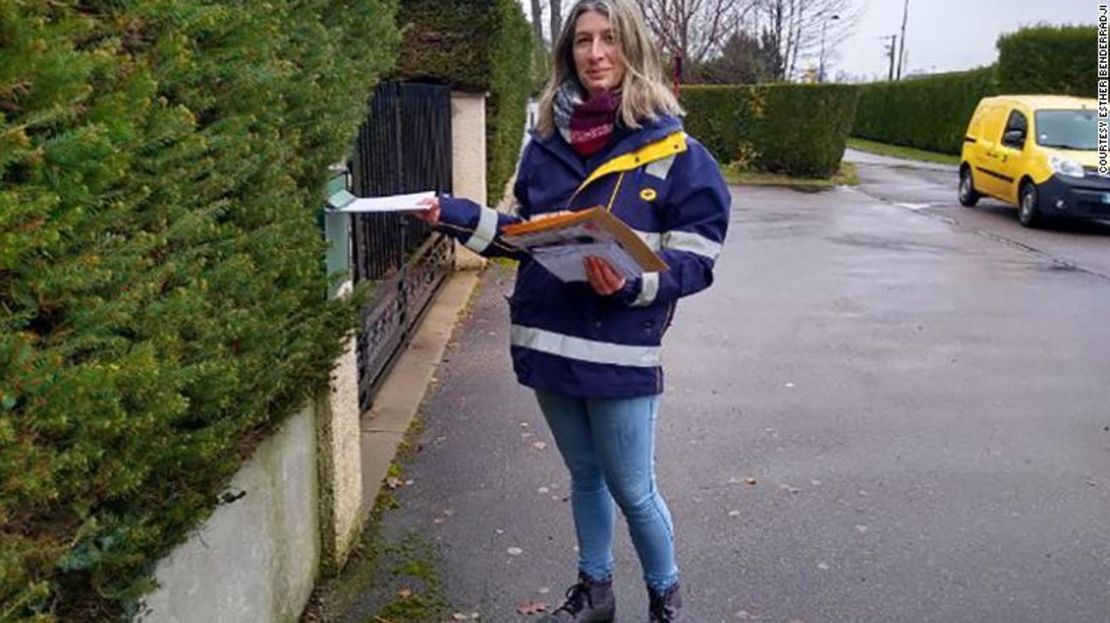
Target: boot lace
pixel 577 597
pixel 660 609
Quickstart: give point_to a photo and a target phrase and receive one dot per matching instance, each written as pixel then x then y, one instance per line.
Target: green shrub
pixel 162 301
pixel 928 113
pixel 795 129
pixel 932 112
pixel 483 46
pixel 1057 60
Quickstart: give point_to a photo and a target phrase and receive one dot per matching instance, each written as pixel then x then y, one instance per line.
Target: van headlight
pixel 1066 166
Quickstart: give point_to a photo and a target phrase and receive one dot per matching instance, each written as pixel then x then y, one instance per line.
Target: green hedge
pixel 162 297
pixel 483 46
pixel 928 113
pixel 1060 60
pixel 932 112
pixel 797 129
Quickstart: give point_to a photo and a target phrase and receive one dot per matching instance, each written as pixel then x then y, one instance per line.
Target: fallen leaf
pixel 529 607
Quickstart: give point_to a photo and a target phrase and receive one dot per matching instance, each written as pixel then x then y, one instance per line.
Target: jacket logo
pixel 648 194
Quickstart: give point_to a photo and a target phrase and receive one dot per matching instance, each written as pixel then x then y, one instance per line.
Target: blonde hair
pixel 644 94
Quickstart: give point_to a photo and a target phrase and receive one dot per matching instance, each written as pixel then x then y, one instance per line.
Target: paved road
pixel 931 188
pixel 921 393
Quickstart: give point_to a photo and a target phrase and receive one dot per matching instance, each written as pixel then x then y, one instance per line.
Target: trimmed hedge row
pixel 1049 59
pixel 483 46
pixel 927 113
pixel 933 112
pixel 162 296
pixel 797 129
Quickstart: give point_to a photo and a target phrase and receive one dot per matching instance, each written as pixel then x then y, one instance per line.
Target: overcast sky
pixel 941 35
pixel 948 35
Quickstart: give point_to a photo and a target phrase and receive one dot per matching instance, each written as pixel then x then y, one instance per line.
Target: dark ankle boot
pixel 588 601
pixel 666 606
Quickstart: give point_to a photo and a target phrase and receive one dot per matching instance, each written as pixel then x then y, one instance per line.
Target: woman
pixel 607 135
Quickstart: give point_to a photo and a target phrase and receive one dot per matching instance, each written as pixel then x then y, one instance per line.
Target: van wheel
pixel 968 196
pixel 1029 215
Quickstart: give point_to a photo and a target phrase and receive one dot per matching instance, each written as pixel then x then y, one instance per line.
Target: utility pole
pixel 821 59
pixel 890 52
pixel 902 42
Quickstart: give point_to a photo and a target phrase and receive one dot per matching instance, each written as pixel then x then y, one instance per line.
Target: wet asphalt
pixel 919 392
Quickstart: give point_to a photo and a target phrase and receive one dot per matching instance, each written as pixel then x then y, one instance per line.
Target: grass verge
pixel 845 177
pixel 898 151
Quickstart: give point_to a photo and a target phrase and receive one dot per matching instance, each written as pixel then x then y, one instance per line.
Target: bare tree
pixel 537 21
pixel 696 29
pixel 744 59
pixel 556 7
pixel 798 29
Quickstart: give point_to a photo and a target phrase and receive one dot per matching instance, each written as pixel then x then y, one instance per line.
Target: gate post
pixel 468 160
pixel 338 461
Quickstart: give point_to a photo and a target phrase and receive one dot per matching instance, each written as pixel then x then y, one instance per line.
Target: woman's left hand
pixel 603 278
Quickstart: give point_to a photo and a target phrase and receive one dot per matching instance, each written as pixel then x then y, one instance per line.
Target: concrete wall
pixel 468 160
pixel 255 559
pixel 340 472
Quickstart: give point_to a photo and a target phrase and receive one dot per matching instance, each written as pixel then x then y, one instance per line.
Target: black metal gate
pixel 404 147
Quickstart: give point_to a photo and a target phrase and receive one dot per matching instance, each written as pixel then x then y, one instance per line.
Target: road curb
pixel 383 427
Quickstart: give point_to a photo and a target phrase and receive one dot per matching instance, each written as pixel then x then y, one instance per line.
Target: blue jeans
pixel 609 447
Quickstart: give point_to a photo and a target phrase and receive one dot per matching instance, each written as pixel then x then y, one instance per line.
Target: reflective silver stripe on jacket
pixel 652 239
pixel 660 168
pixel 486 231
pixel 694 243
pixel 649 289
pixel 584 350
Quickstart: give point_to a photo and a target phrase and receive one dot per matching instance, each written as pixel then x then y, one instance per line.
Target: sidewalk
pixel 901 472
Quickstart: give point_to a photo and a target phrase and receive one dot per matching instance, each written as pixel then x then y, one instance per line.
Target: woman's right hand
pixel 430 213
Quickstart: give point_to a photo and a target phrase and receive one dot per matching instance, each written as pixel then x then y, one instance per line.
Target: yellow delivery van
pixel 1038 153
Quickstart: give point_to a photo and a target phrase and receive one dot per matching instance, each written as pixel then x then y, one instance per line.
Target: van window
pixel 1067 129
pixel 1017 122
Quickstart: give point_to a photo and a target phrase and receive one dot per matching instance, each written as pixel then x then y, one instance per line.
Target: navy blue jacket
pixel 565 337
